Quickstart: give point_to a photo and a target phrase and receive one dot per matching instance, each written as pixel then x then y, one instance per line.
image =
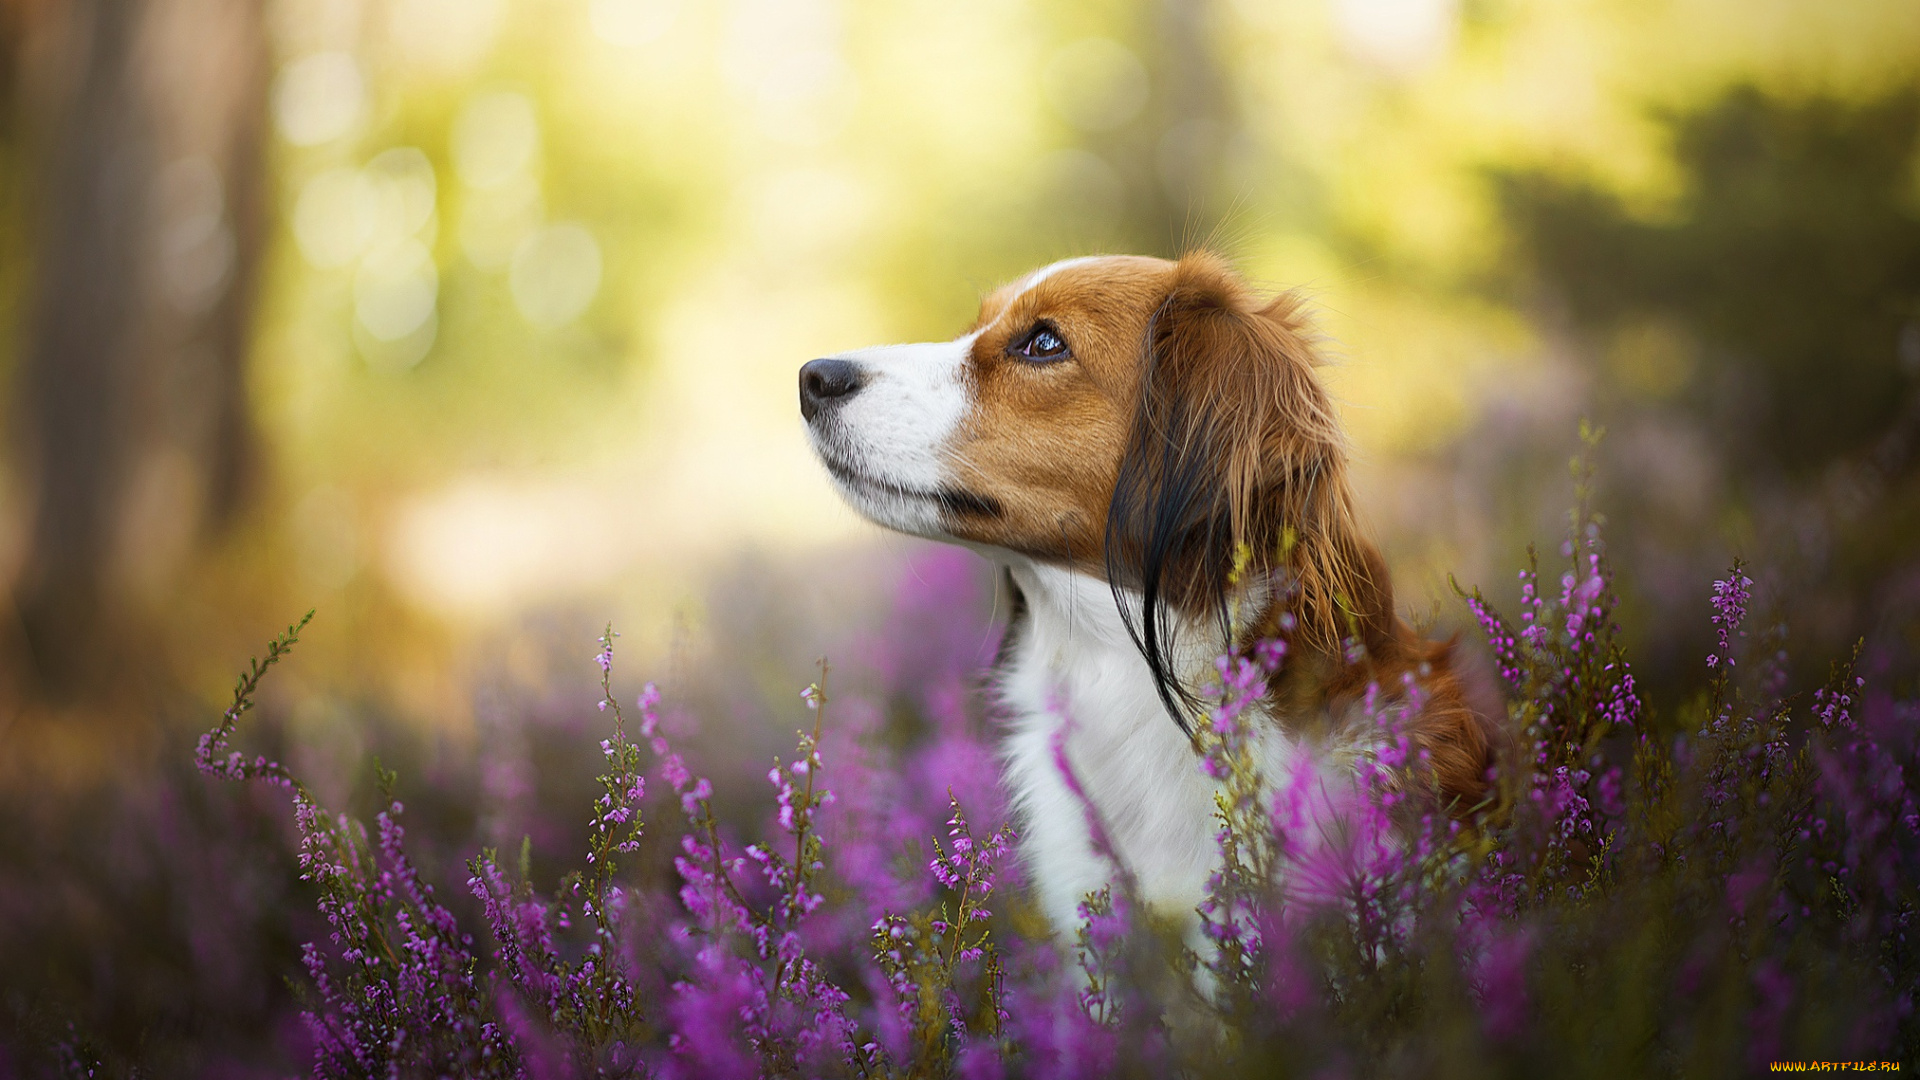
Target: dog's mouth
pixel 953 501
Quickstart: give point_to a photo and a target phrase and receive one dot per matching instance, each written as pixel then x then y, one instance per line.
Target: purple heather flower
pixel 1730 597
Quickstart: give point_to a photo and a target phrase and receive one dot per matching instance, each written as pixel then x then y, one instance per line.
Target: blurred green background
pixel 472 321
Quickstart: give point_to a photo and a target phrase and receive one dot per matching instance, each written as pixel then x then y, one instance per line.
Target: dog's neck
pixel 1071 675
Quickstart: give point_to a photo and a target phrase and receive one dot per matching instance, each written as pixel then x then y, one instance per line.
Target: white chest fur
pixel 1073 667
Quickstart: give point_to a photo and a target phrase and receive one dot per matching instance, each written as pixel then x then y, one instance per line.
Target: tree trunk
pixel 131 398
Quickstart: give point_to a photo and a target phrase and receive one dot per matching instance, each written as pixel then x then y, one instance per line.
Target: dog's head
pixel 1151 422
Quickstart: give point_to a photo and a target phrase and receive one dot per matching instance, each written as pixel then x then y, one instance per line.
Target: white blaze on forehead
pixel 1027 283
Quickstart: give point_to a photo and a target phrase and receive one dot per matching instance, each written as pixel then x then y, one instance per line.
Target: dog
pixel 1146 448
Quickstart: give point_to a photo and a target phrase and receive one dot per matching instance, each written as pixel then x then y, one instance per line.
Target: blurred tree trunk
pixel 132 427
pixel 1170 158
pixel 1194 125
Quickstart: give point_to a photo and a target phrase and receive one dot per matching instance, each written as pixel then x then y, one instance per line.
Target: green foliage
pixel 1790 269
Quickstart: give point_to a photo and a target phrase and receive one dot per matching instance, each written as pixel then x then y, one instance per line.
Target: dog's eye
pixel 1042 343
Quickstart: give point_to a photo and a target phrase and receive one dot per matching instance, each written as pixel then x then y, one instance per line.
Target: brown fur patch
pixel 1045 439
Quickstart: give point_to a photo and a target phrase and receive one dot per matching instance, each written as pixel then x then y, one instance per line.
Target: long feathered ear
pixel 1235 458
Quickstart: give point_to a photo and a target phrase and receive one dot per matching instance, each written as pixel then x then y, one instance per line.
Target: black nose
pixel 825 383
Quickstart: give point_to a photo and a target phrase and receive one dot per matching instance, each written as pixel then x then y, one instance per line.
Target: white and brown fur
pixel 1111 431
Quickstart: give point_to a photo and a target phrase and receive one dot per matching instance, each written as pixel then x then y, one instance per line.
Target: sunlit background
pixel 444 316
pixel 474 325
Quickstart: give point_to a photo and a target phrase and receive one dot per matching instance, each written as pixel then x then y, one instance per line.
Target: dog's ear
pixel 1235 459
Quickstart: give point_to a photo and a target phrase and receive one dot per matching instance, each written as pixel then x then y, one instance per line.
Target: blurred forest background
pixel 435 314
pixel 473 324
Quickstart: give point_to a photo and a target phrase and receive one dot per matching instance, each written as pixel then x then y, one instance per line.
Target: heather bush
pixel 1695 893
